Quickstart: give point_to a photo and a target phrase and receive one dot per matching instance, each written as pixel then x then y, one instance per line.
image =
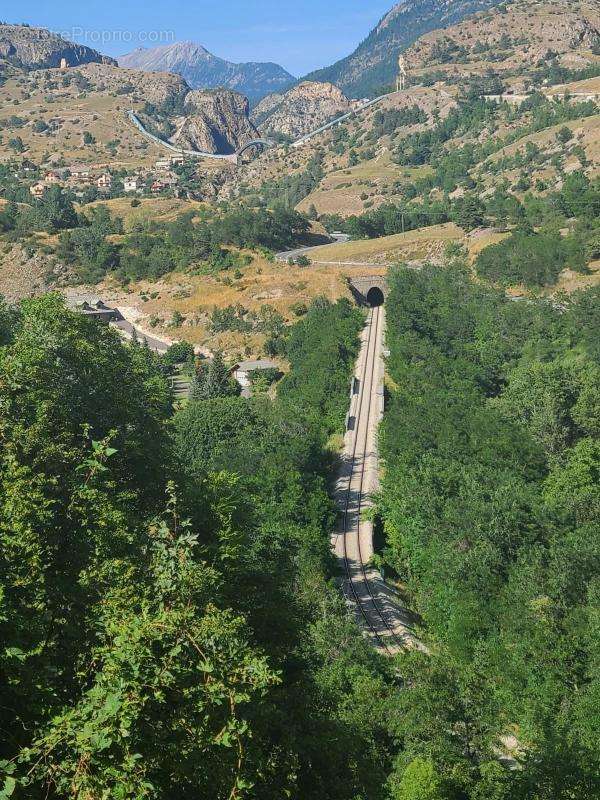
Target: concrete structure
pixel 402 73
pixel 37 190
pixel 369 290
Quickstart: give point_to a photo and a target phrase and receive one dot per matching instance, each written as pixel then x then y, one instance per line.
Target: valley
pixel 299 405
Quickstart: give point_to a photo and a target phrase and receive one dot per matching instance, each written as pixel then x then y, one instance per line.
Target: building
pixel 163 164
pixel 104 181
pixel 52 177
pixel 37 190
pixel 131 184
pixel 243 371
pixel 80 171
pixel 157 187
pixel 95 309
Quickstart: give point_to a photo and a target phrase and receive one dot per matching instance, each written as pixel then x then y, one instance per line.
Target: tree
pixel 16 144
pixel 214 380
pixel 470 212
pixel 418 781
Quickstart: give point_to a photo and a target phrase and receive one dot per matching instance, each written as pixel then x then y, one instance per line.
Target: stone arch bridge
pixel 369 290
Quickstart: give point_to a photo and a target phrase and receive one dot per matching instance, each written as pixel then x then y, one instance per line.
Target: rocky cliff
pixel 374 63
pixel 214 121
pixel 36 48
pixel 203 70
pixel 301 109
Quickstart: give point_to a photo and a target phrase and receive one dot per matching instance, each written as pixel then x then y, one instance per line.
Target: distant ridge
pixel 25 47
pixel 202 70
pixel 374 63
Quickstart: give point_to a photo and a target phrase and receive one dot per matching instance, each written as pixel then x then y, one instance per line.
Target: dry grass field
pixel 425 243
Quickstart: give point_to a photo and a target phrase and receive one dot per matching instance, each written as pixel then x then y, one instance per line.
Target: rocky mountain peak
pixel 203 70
pixel 36 48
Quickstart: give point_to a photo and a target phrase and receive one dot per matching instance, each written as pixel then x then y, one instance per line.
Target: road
pixel 336 238
pixel 157 345
pixel 375 604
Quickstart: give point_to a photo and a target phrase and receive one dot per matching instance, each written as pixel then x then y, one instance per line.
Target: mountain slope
pixel 203 70
pixel 300 110
pixel 36 48
pixel 375 61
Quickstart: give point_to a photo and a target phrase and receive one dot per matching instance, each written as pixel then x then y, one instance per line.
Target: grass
pixel 413 245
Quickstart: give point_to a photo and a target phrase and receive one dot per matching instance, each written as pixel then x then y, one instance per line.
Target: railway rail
pixel 384 621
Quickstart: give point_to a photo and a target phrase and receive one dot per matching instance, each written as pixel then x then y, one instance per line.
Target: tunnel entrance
pixel 375 297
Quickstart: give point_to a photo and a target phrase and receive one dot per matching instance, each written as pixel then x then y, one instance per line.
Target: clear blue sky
pixel 301 35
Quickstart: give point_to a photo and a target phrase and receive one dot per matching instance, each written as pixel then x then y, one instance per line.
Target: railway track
pixel 387 625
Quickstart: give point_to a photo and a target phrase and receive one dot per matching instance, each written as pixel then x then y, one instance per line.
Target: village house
pixel 52 177
pixel 131 184
pixel 104 181
pixel 37 190
pixel 80 171
pixel 163 164
pixel 243 371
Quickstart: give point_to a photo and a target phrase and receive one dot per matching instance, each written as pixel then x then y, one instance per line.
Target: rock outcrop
pixel 36 48
pixel 203 70
pixel 214 122
pixel 301 110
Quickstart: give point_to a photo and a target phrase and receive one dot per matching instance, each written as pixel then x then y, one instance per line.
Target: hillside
pixel 30 48
pixel 203 70
pixel 374 63
pixel 300 110
pixel 519 39
pixel 78 114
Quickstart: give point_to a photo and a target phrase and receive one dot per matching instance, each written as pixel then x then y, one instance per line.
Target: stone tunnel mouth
pixel 375 297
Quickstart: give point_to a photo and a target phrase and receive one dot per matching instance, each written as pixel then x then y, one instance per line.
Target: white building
pixel 131 184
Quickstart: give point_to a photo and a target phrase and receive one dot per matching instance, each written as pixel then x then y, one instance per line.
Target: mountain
pixel 493 43
pixel 30 48
pixel 203 70
pixel 375 61
pixel 300 110
pixel 215 122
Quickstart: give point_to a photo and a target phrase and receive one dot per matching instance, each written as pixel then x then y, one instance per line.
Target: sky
pixel 301 36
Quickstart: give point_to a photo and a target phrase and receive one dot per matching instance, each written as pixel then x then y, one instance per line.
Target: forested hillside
pixel 490 501
pixel 167 625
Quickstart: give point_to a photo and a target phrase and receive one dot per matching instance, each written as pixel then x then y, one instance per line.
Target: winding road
pixel 376 605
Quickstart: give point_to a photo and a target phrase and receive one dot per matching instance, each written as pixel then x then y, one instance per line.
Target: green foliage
pixel 214 380
pixel 322 349
pixel 145 653
pixel 534 259
pixel 490 501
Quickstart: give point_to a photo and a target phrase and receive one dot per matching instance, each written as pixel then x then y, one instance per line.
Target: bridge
pixel 232 157
pixel 369 290
pixel 254 143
